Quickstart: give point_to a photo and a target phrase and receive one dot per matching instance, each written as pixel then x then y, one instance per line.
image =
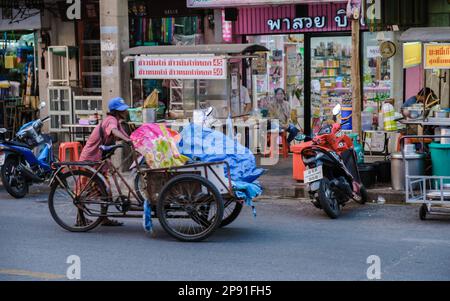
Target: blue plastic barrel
pixel 346 116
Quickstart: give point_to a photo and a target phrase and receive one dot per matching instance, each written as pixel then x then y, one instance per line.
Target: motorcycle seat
pixel 15 143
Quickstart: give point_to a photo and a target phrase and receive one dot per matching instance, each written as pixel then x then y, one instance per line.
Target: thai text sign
pixel 234 3
pixel 180 67
pixel 437 56
pixel 412 54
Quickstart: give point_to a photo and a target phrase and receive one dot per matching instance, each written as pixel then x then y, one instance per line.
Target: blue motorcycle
pixel 26 159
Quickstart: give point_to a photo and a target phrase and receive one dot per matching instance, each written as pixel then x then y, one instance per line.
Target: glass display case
pixel 377 77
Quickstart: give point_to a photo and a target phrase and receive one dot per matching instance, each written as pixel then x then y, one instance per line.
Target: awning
pixel 219 49
pixel 426 34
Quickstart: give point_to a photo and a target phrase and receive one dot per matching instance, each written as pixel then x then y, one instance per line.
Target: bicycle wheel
pixel 232 209
pixel 139 187
pixel 76 209
pixel 190 208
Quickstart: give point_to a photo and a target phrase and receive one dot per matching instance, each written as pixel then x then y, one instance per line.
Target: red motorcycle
pixel 331 169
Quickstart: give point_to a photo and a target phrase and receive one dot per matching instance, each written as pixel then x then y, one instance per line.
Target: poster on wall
pixel 437 56
pixel 373 52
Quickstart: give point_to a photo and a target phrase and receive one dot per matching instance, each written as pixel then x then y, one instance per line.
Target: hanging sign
pixel 373 52
pixel 180 67
pixel 387 49
pixel 437 56
pixel 412 54
pixel 236 3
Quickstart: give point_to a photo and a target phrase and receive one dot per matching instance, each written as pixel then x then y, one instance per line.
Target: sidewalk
pixel 278 182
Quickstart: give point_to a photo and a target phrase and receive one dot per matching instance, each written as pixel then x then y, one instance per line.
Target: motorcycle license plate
pixel 313 174
pixel 2 159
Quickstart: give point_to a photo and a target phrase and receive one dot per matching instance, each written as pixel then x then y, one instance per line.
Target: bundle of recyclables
pixel 206 145
pixel 164 148
pixel 158 145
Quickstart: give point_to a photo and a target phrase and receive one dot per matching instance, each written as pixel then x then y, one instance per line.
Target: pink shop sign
pixel 282 19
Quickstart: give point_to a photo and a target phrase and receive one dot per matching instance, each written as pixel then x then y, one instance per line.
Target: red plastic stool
pixel 273 147
pixel 74 149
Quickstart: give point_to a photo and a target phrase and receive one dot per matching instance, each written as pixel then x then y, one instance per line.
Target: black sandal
pixel 82 221
pixel 111 223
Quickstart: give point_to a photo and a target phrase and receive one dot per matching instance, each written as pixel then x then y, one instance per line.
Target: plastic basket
pixel 135 114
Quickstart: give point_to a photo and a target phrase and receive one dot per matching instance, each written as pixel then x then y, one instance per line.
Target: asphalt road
pixel 289 240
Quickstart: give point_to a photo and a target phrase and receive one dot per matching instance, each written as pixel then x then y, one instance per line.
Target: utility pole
pixel 354 13
pixel 356 79
pixel 114 36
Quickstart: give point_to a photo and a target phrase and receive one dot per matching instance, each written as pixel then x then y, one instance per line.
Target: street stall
pixel 199 76
pixel 426 173
pixel 205 74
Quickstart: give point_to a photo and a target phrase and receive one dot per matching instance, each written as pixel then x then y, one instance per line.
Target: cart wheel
pixel 86 210
pixel 190 208
pixel 423 212
pixel 231 211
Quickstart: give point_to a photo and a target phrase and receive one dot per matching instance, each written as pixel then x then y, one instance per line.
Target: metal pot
pixel 416 166
pixel 441 114
pixel 412 113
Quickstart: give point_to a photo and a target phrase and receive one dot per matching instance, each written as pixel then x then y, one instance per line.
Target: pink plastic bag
pixel 157 144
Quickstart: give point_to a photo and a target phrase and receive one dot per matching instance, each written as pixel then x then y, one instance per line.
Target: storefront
pixel 18 67
pixel 310 58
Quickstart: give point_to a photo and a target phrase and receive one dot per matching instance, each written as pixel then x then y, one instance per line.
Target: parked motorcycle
pixel 26 159
pixel 332 171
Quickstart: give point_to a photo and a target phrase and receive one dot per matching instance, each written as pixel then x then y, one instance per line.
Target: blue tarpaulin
pixel 206 145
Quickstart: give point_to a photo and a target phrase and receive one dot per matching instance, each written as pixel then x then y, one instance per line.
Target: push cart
pixel 433 192
pixel 190 201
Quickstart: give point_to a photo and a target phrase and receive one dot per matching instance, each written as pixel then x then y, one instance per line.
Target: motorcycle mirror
pixel 300 137
pixel 208 111
pixel 337 110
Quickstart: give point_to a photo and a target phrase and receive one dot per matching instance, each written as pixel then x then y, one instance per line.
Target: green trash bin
pixel 440 158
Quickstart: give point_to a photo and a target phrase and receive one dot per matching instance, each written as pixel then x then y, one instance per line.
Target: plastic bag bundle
pixel 158 145
pixel 151 102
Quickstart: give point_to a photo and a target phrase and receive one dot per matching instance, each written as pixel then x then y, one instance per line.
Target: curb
pixel 298 190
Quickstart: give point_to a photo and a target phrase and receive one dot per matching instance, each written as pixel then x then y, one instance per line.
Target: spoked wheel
pixel 14 183
pixel 328 200
pixel 232 209
pixel 190 208
pixel 139 185
pixel 77 201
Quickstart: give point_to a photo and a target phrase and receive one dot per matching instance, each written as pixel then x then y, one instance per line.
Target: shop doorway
pixel 284 69
pixel 330 73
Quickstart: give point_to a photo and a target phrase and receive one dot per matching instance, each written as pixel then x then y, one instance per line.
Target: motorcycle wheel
pixel 19 189
pixel 328 200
